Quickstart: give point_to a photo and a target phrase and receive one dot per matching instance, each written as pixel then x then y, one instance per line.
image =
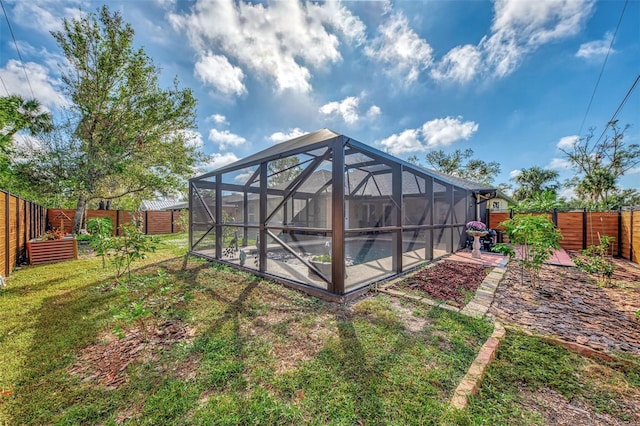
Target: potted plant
pixel 322 263
pixel 476 229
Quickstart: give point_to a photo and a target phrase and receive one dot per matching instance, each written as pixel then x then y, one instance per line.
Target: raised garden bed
pixel 49 251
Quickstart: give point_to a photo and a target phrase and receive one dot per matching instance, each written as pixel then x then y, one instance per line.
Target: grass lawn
pixel 204 344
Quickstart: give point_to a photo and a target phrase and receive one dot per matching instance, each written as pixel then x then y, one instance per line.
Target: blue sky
pixel 509 79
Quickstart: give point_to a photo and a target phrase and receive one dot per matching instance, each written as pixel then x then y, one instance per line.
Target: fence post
pixel 117 222
pixel 619 231
pixel 584 228
pixel 6 235
pixel 172 221
pixel 631 236
pixel 17 230
pixel 554 217
pixel 146 222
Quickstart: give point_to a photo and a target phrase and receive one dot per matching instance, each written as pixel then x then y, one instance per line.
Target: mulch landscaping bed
pixel 570 305
pixel 452 282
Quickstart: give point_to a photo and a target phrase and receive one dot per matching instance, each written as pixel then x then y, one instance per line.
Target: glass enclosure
pixel 327 214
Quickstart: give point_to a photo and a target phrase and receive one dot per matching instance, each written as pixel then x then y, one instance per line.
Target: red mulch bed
pixel 448 281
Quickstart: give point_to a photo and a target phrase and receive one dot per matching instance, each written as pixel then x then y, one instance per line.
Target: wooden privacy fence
pixel 581 229
pixel 20 221
pixel 153 222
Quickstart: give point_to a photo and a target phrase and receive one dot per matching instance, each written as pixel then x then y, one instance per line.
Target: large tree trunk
pixel 78 220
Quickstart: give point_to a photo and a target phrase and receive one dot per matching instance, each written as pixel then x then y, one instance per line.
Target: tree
pixel 535 180
pixel 18 114
pixel 283 170
pixel 128 134
pixel 461 164
pixel 601 163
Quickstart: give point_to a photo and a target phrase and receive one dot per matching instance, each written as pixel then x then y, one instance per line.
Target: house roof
pixel 319 139
pixel 163 205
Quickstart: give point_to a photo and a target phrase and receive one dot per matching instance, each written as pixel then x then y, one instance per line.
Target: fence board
pixel 626 234
pixel 598 224
pixel 570 226
pixel 4 229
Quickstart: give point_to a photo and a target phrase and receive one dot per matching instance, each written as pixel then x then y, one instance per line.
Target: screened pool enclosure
pixel 328 214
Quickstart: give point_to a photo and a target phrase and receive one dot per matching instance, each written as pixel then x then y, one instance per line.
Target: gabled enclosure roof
pixel 323 136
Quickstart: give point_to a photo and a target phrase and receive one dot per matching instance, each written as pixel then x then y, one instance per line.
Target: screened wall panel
pixel 328 214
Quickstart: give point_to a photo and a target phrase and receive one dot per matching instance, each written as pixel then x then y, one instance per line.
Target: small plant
pixel 101 239
pixel 326 256
pixel 597 260
pixel 55 234
pixel 538 238
pixel 132 245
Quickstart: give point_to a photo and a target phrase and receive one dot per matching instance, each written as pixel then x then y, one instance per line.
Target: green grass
pixel 258 353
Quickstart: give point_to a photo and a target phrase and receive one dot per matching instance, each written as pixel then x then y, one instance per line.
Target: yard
pixel 197 343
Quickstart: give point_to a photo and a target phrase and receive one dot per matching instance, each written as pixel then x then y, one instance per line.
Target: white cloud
pixel 515 173
pixel 407 141
pixel 401 48
pixel 45 16
pixel 244 175
pixel 567 142
pixel 281 136
pixel 346 108
pixel 460 64
pixel 559 164
pixel 42 83
pixel 445 131
pixel 217 71
pixel 225 139
pixel 192 138
pixel 280 40
pixel 217 160
pixel 218 119
pixel 567 193
pixel 633 171
pixel 433 133
pixel 373 111
pixel 595 49
pixel 519 27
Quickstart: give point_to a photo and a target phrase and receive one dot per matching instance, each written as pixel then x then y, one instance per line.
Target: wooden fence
pixel 20 221
pixel 153 221
pixel 581 229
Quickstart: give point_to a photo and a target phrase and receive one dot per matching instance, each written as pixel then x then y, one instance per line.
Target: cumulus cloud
pixel 519 28
pixel 40 80
pixel 281 40
pixel 282 136
pixel 244 175
pixel 217 160
pixel 433 133
pixel 401 49
pixel 373 111
pixel 567 142
pixel 595 49
pixel 192 138
pixel 559 164
pixel 445 131
pixel 45 16
pixel 515 173
pixel 225 139
pixel 407 141
pixel 460 64
pixel 217 71
pixel 634 170
pixel 218 119
pixel 348 109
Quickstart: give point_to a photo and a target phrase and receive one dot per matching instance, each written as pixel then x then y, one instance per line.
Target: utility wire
pixel 602 69
pixel 17 50
pixel 624 101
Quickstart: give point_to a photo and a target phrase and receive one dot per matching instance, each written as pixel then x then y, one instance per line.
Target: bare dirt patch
pixel 558 410
pixel 106 363
pixel 453 282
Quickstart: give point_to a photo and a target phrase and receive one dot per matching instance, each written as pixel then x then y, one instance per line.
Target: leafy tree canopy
pixel 600 163
pixel 462 164
pixel 534 181
pixel 125 134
